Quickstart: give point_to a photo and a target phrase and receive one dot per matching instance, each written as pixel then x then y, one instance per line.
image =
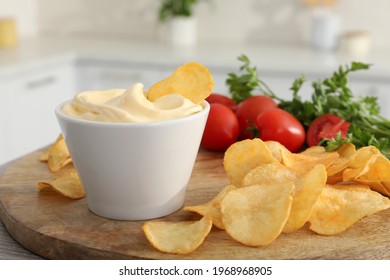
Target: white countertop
pixel 277 59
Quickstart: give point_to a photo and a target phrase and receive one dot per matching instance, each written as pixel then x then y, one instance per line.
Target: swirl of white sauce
pixel 131 105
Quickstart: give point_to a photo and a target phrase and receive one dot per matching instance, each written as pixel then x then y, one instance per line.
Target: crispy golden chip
pixel 307 190
pixel 243 156
pixel 58 155
pixel 212 209
pixel 314 151
pixel 68 185
pixel 269 173
pixel 340 206
pixel 361 162
pixel 43 186
pixel 192 80
pixel 177 238
pixel 255 215
pixel 276 148
pixel 335 170
pixel 44 157
pixel 346 150
pixel 302 163
pixel 377 175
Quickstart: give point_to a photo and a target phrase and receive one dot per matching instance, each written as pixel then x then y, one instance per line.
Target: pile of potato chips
pixel 66 183
pixel 274 191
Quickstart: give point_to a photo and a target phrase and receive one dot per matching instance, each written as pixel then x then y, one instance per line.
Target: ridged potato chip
pixel 255 215
pixel 243 156
pixel 179 237
pixel 339 207
pixel 212 209
pixel 192 80
pixel 68 185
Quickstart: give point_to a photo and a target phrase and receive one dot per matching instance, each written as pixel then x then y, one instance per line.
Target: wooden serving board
pixel 60 228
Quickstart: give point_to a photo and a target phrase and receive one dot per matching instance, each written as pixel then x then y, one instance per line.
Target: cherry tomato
pixel 222 99
pixel 221 128
pixel 279 125
pixel 249 109
pixel 326 126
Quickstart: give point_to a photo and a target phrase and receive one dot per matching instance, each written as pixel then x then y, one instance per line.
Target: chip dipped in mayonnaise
pixel 131 105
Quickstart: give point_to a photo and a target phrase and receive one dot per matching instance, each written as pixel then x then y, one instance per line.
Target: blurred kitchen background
pixel 284 22
pixel 52 49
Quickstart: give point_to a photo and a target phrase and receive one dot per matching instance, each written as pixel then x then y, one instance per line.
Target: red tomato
pixel 222 99
pixel 279 125
pixel 249 109
pixel 326 126
pixel 221 128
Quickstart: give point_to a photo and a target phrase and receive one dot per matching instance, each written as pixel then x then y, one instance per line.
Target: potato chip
pixel 276 148
pixel 314 151
pixel 335 170
pixel 339 207
pixel 302 163
pixel 58 155
pixel 243 156
pixel 177 238
pixel 212 209
pixel 44 157
pixel 68 185
pixel 255 215
pixel 360 163
pixel 377 176
pixel 43 186
pixel 192 80
pixel 269 173
pixel 307 190
pixel 347 150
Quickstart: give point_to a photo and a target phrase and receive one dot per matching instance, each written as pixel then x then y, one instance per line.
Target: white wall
pixel 229 21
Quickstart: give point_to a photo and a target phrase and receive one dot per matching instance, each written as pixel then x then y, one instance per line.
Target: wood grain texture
pixel 59 228
pixel 11 250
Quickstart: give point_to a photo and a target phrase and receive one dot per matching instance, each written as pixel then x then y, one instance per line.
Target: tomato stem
pixel 252 129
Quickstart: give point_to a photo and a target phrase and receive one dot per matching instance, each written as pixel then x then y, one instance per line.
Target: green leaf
pixel 335 143
pixel 359 66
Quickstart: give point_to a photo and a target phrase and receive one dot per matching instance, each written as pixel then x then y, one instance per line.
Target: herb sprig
pixel 330 95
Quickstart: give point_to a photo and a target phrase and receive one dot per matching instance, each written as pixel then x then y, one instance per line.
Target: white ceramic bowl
pixel 134 171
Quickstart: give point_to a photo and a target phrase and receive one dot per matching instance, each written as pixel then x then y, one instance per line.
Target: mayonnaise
pixel 131 105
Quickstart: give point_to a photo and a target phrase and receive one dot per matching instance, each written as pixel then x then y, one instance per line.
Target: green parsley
pixel 330 95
